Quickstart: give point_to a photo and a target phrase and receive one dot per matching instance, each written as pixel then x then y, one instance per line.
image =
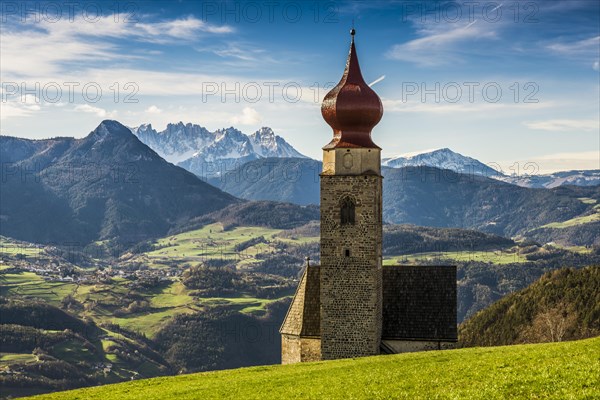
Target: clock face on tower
pixel 348 161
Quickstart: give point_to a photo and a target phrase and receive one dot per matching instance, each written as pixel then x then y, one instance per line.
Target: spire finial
pixel 352 108
pixel 352 31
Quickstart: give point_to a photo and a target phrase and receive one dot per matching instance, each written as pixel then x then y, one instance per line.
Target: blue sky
pixel 440 65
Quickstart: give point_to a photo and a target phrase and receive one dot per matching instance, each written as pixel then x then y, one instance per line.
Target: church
pixel 351 305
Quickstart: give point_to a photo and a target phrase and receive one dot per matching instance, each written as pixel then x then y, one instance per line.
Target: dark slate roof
pixel 304 315
pixel 419 302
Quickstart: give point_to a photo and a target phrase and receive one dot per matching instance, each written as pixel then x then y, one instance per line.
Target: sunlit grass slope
pixel 569 370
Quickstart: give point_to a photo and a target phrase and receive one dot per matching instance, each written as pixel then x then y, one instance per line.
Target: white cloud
pixel 243 52
pixel 596 65
pixel 557 125
pixel 19 106
pixel 153 110
pixel 186 28
pixel 100 112
pixel 585 51
pixel 15 109
pixel 555 162
pixel 249 116
pixel 581 156
pixel 438 43
pixel 30 99
pixel 585 46
pixel 26 51
pixel 400 106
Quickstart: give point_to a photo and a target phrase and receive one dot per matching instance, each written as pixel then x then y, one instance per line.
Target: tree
pixel 552 324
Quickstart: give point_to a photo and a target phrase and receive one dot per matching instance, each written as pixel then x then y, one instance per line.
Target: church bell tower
pixel 351 222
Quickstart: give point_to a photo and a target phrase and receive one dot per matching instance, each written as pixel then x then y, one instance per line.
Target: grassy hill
pixel 561 305
pixel 551 371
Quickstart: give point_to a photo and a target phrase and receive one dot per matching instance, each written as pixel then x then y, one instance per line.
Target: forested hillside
pixel 562 305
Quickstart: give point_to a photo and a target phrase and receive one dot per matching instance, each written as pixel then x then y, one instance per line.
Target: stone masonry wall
pixel 290 349
pixel 295 349
pixel 351 276
pixel 310 349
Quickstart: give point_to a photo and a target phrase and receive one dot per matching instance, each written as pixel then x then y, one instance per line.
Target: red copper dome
pixel 352 108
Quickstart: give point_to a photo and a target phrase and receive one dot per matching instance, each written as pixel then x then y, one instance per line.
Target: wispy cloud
pixel 16 109
pixel 585 50
pixel 438 43
pixel 400 106
pixel 557 125
pixel 182 28
pixel 242 52
pixel 554 162
pixel 585 46
pixel 28 48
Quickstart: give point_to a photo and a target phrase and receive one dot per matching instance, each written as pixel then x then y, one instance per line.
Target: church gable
pixel 303 317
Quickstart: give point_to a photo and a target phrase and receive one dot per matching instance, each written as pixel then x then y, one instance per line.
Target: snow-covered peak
pixel 410 155
pixel 264 133
pixel 443 158
pixel 229 134
pixel 144 128
pixel 267 144
pixel 555 179
pixel 189 144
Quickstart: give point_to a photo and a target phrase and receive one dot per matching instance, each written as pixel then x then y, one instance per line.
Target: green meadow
pixel 214 242
pixel 567 370
pixel 574 221
pixel 491 256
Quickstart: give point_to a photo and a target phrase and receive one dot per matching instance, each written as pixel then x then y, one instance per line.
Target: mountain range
pixel 109 184
pixel 213 154
pixel 555 179
pixel 425 196
pixel 208 154
pixel 103 186
pixel 443 159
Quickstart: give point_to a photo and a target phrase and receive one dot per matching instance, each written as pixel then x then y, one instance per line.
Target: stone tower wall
pixel 351 276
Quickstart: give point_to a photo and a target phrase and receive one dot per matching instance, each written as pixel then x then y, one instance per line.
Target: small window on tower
pixel 347 213
pixel 347 253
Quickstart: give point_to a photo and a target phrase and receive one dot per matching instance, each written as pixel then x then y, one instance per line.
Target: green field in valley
pixel 574 221
pixel 491 256
pixel 214 242
pixel 568 370
pixel 586 219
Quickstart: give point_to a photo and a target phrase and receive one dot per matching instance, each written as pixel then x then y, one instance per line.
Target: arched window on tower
pixel 347 212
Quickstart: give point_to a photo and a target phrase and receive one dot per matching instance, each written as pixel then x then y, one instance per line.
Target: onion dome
pixel 352 108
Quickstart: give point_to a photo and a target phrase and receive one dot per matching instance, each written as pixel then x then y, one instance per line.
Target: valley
pixel 149 270
pixel 221 277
